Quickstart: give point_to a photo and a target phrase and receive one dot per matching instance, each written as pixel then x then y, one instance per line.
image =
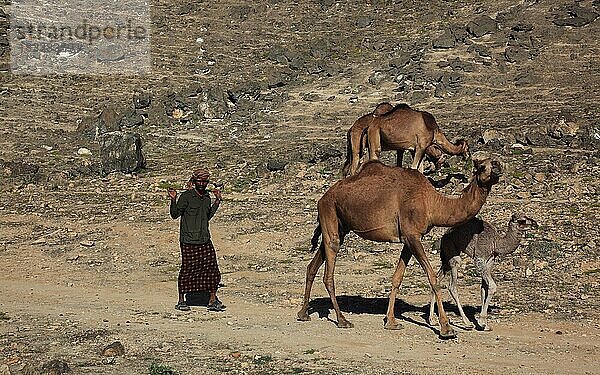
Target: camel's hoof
pixel 450 334
pixel 345 324
pixel 469 327
pixel 393 326
pixel 487 328
pixel 304 317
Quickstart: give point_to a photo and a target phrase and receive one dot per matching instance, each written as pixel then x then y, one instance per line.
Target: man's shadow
pixel 378 306
pixel 197 298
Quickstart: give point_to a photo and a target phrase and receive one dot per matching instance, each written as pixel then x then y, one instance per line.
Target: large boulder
pixel 481 26
pixel 121 152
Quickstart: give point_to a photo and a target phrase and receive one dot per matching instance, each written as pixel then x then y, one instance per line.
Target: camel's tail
pixel 315 238
pixel 348 161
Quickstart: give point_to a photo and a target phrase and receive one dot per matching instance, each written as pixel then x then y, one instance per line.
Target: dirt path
pixel 71 306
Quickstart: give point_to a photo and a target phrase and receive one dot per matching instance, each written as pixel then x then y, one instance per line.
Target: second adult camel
pixel 357 140
pixel 404 128
pixel 390 204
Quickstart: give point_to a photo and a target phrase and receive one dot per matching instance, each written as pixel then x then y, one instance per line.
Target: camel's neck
pixel 510 242
pixel 448 147
pixel 449 212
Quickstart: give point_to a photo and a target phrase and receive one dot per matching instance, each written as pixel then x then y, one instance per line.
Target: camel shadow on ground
pixel 378 306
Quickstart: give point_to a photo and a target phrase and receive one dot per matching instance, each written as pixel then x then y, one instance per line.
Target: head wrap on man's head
pixel 200 174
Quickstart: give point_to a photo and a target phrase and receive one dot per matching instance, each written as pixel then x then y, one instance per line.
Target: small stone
pixel 274 165
pixel 39 241
pixel 539 177
pixel 84 152
pixel 528 272
pixel 524 194
pixel 115 349
pixel 87 243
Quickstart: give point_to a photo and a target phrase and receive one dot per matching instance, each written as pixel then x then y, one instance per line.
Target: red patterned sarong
pixel 199 269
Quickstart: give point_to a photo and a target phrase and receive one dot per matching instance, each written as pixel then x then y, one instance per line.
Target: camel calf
pixel 480 241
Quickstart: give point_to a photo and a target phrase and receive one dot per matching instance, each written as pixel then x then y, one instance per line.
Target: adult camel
pixel 404 128
pixel 391 204
pixel 357 143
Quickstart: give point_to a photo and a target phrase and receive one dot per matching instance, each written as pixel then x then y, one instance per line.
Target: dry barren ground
pixel 270 88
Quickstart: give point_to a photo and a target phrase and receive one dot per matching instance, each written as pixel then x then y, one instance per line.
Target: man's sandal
pixel 182 306
pixel 216 306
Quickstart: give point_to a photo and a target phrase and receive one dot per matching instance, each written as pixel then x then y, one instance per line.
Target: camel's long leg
pixel 405 256
pixel 332 246
pixel 490 289
pixel 311 272
pixel 374 138
pixel 419 252
pixel 418 158
pixel 453 288
pixel 432 319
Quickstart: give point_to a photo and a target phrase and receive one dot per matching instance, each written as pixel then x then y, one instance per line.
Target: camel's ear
pixel 478 165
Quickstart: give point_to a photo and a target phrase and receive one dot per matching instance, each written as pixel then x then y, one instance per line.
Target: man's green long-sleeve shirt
pixel 195 211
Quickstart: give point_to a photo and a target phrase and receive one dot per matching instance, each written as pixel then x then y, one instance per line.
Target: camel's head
pixel 465 148
pixel 522 222
pixel 487 172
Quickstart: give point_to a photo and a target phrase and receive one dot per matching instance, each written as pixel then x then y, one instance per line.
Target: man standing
pixel 199 269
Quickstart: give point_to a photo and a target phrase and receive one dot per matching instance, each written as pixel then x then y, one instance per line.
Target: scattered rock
pixel 4 370
pixel 142 100
pixel 481 26
pixel 121 152
pixel 130 119
pixel 115 349
pixel 87 243
pixel 82 151
pixel 525 79
pixel 377 77
pixel 574 16
pixel 274 165
pixel 110 53
pixel 21 172
pixel 446 41
pixel 55 367
pixel 516 54
pixel 364 21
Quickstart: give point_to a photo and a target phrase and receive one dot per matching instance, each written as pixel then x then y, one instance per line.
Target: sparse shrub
pixel 543 250
pixel 159 369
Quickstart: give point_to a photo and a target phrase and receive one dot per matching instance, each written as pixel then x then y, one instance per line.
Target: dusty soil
pixel 88 259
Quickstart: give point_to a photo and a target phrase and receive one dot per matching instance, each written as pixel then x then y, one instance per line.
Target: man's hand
pixel 217 194
pixel 172 193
